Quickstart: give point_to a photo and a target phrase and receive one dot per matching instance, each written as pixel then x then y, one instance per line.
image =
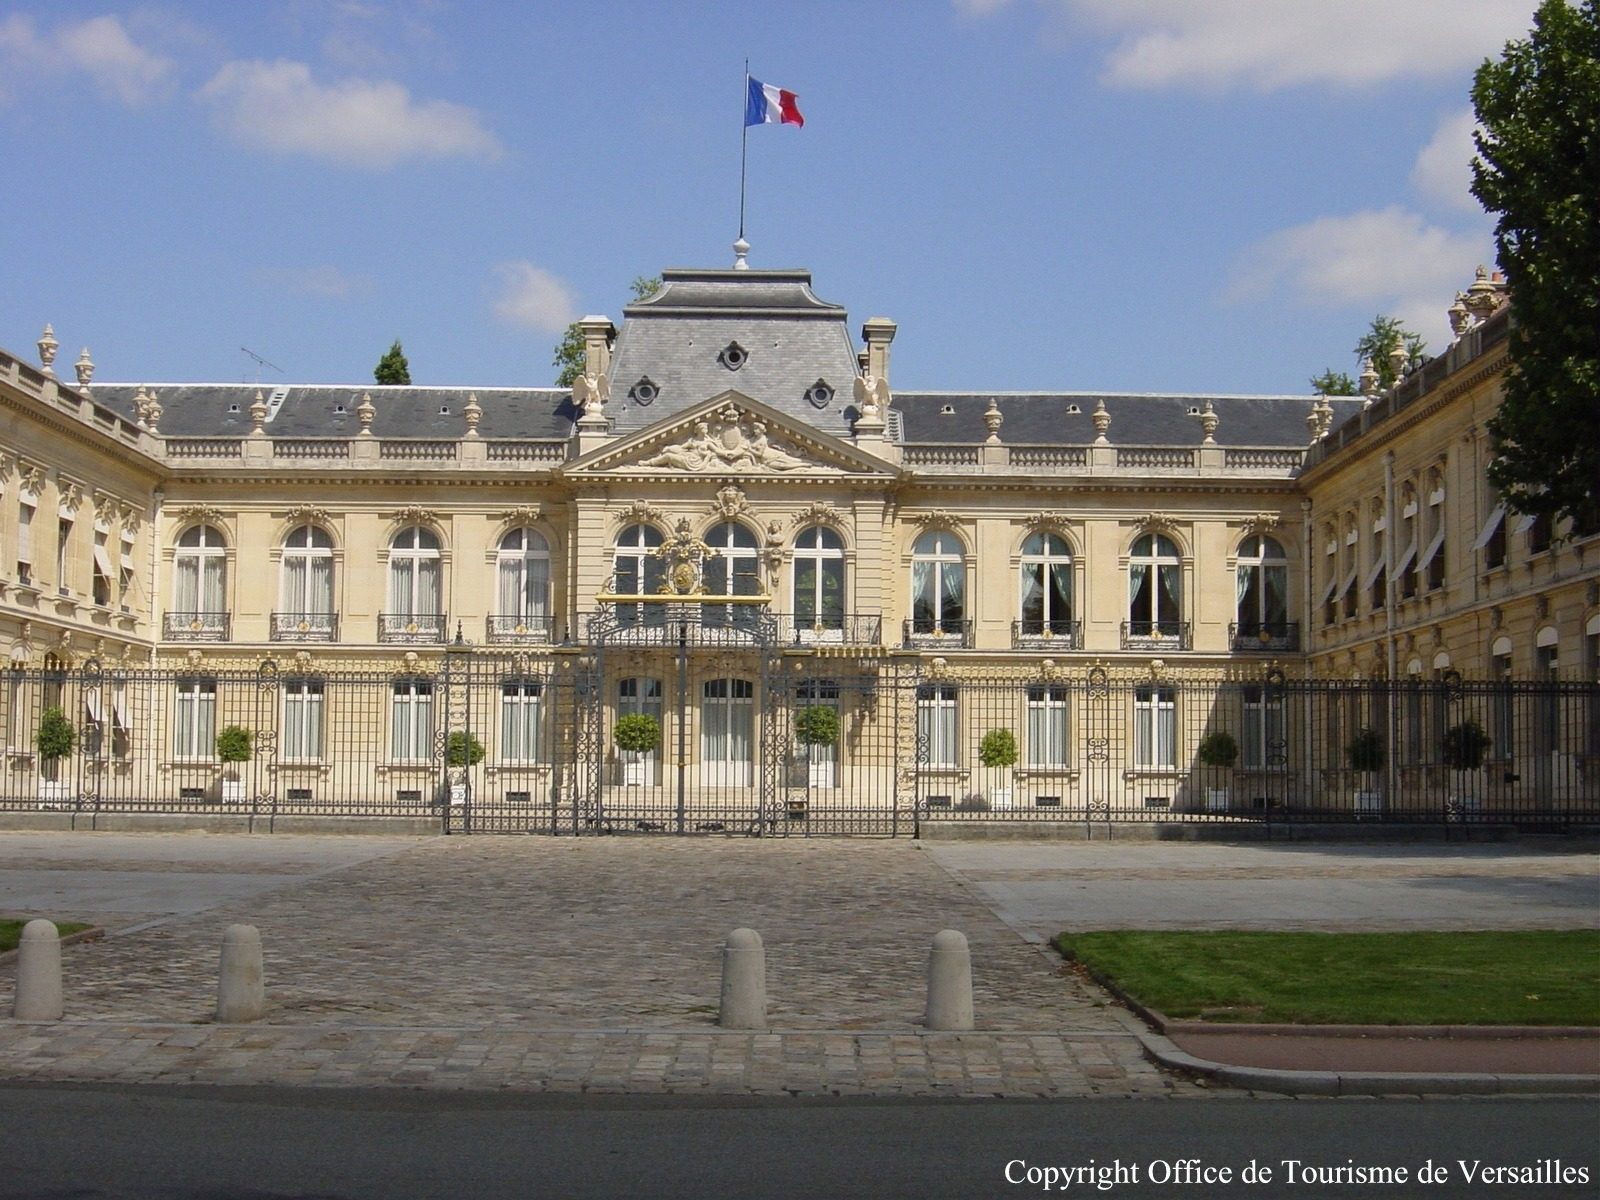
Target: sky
pixel 1058 195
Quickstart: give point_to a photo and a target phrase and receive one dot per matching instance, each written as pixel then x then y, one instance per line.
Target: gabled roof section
pixel 762 333
pixel 1067 418
pixel 730 435
pixel 223 410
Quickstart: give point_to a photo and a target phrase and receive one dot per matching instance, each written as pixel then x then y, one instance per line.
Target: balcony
pixel 1039 634
pixel 830 629
pixel 305 627
pixel 197 626
pixel 412 629
pixel 1155 635
pixel 1264 636
pixel 684 623
pixel 938 633
pixel 520 631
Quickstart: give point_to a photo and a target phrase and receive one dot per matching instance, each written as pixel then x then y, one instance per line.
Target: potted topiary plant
pixel 998 752
pixel 1365 754
pixel 1463 748
pixel 1220 751
pixel 817 729
pixel 54 741
pixel 637 736
pixel 233 747
pixel 461 750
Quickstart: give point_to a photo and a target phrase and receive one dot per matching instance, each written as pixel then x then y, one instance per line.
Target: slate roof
pixel 674 338
pixel 1036 418
pixel 202 410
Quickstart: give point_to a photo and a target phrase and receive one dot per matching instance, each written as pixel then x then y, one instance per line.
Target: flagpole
pixel 744 139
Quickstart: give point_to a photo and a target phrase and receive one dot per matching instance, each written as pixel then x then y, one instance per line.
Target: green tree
pixel 1538 168
pixel 1379 342
pixel 1333 383
pixel 393 367
pixel 569 351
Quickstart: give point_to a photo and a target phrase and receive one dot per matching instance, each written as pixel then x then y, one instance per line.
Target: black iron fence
pixel 752 741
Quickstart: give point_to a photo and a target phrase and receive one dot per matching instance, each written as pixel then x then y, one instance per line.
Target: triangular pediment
pixel 730 434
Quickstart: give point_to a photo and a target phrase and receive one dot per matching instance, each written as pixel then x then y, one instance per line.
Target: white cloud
pixel 1387 259
pixel 363 123
pixel 1270 44
pixel 533 298
pixel 1443 171
pixel 327 282
pixel 100 47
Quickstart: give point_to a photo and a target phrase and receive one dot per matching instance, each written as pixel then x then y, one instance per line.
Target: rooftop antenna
pixel 260 362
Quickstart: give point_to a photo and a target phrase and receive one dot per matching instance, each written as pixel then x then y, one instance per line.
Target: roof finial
pixel 741 249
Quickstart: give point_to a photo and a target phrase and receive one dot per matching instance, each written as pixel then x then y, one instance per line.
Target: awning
pixel 1404 565
pixel 1327 592
pixel 1489 526
pixel 1372 575
pixel 91 703
pixel 1432 551
pixel 1345 586
pixel 1525 523
pixel 119 707
pixel 102 560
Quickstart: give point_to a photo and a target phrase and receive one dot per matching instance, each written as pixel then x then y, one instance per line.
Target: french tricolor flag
pixel 768 105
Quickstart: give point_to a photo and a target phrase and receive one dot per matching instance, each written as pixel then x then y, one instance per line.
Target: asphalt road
pixel 195 1144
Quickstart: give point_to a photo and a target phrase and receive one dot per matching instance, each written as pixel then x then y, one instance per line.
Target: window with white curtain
pixel 1155 727
pixel 1155 587
pixel 303 708
pixel 1046 585
pixel 1264 744
pixel 1047 726
pixel 521 703
pixel 938 583
pixel 727 720
pixel 818 579
pixel 638 571
pixel 1261 588
pixel 415 573
pixel 411 720
pixel 936 725
pixel 27 506
pixel 199 572
pixel 522 572
pixel 194 718
pixel 308 576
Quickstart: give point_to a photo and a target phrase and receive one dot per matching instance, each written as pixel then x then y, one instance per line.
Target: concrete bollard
pixel 949 982
pixel 241 989
pixel 38 973
pixel 744 981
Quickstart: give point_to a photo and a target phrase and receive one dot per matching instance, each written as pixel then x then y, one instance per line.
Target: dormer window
pixel 1073 410
pixel 949 410
pixel 819 394
pixel 644 391
pixel 338 410
pixel 733 356
pixel 233 408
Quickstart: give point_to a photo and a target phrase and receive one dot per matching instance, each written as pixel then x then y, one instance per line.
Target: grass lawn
pixel 11 932
pixel 1521 978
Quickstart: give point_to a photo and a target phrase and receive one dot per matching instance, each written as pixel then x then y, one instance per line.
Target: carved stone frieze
pixel 523 514
pixel 937 518
pixel 1264 522
pixel 1046 522
pixel 819 512
pixel 414 514
pixel 303 513
pixel 204 514
pixel 727 441
pixel 730 502
pixel 1159 522
pixel 640 512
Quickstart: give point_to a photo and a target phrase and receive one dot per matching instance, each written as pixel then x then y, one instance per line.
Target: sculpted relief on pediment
pixel 727 441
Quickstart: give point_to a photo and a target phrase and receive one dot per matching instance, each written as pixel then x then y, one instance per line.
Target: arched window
pixel 637 571
pixel 818 581
pixel 199 582
pixel 307 589
pixel 733 571
pixel 415 583
pixel 522 569
pixel 641 696
pixel 938 584
pixel 1046 586
pixel 1155 589
pixel 1261 593
pixel 727 732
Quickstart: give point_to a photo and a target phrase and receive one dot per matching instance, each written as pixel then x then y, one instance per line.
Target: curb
pixel 92 934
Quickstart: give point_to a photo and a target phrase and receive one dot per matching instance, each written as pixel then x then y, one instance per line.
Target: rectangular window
pixel 936 725
pixel 194 719
pixel 25 513
pixel 1492 538
pixel 520 704
pixel 1264 744
pixel 102 571
pixel 121 720
pixel 1502 710
pixel 125 572
pixel 1155 727
pixel 1047 727
pixel 63 539
pixel 411 721
pixel 303 707
pixel 1547 703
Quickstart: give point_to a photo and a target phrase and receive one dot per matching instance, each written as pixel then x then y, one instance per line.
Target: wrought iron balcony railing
pixel 1039 634
pixel 413 628
pixel 515 630
pixel 197 626
pixel 1246 636
pixel 951 633
pixel 673 623
pixel 830 629
pixel 1155 635
pixel 305 627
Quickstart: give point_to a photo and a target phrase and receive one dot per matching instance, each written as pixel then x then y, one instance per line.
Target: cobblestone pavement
pixel 592 963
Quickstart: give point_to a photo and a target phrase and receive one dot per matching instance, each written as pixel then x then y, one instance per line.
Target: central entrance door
pixel 727 732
